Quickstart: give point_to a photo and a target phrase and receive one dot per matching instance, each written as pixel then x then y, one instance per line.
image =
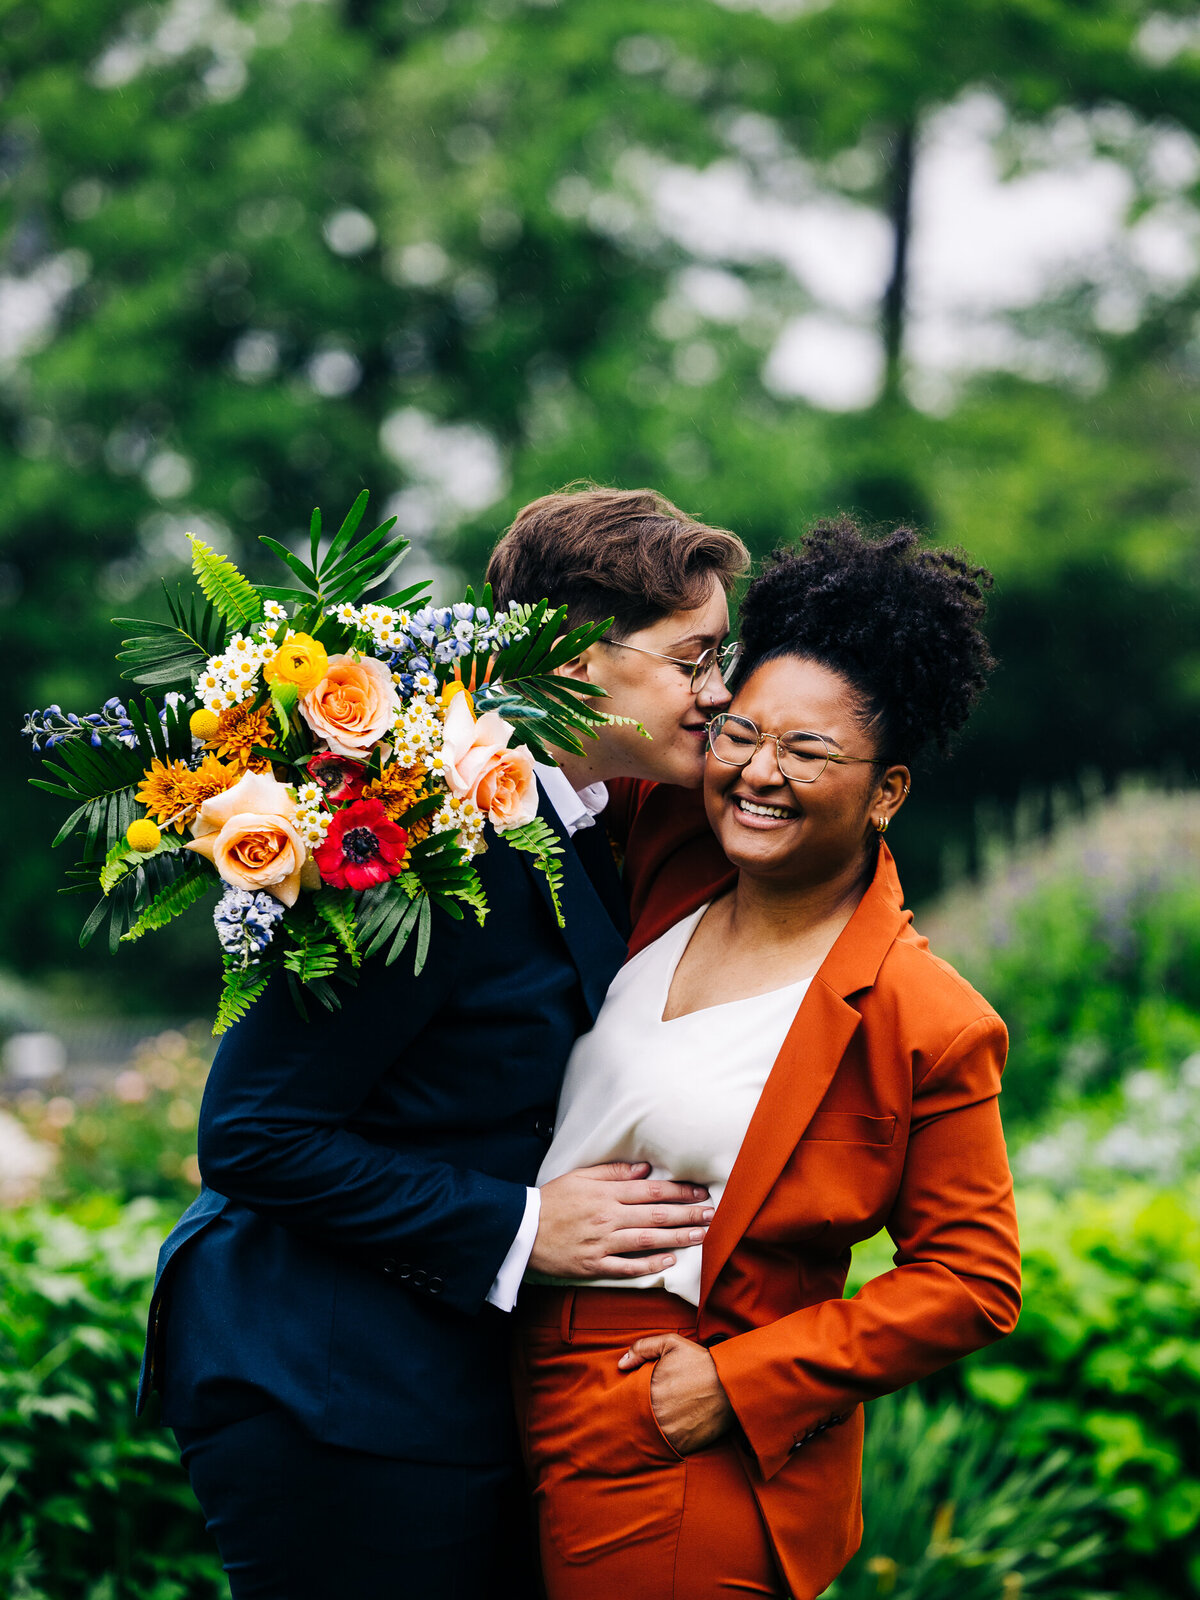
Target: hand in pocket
pixel 688 1402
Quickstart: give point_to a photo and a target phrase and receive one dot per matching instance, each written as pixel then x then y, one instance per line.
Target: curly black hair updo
pixel 900 624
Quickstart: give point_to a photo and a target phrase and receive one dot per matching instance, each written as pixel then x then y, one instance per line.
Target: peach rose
pixel 353 707
pixel 469 746
pixel 248 834
pixel 507 789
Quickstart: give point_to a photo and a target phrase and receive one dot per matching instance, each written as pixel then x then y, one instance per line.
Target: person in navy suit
pixel 328 1331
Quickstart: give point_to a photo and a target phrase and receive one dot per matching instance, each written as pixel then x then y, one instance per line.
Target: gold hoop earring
pixel 881 827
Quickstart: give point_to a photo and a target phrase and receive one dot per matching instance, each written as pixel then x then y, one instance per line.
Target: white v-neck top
pixel 678 1094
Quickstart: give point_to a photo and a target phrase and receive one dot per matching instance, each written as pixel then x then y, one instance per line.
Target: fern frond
pixel 120 860
pixel 241 989
pixel 312 959
pixel 224 587
pixel 335 907
pixel 540 841
pixel 173 900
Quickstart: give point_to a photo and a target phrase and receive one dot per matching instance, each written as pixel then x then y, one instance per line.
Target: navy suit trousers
pixel 297 1519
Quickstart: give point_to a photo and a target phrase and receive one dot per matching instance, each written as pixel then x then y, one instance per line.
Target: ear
pixel 891 793
pixel 583 668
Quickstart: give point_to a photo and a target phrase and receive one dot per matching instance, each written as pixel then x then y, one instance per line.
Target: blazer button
pixel 420 1278
pixel 435 1286
pixel 404 1272
pixel 390 1266
pixel 544 1129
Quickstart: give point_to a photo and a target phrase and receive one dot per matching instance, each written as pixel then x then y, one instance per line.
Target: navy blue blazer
pixel 365 1175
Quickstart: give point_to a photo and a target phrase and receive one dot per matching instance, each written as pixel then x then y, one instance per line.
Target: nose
pixel 714 696
pixel 763 766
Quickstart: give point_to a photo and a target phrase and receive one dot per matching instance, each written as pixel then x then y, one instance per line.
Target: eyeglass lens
pixel 726 658
pixel 802 757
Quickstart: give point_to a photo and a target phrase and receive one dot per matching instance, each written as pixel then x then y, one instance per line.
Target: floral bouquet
pixel 330 764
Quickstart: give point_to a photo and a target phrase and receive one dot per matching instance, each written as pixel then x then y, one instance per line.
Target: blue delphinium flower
pixel 50 727
pixel 245 922
pixel 439 635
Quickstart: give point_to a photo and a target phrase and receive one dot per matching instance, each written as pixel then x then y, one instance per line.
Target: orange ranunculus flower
pixel 507 790
pixel 248 833
pixel 300 660
pixel 353 707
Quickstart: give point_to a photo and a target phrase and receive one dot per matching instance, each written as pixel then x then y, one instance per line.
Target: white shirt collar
pixel 576 808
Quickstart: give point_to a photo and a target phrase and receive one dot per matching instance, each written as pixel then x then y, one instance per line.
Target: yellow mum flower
pixel 211 777
pixel 399 788
pixel 299 660
pixel 143 835
pixel 240 728
pixel 164 791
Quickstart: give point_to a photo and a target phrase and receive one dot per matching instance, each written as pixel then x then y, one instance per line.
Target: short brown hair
pixel 625 553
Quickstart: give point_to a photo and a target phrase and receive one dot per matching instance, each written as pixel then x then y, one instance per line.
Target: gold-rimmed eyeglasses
pixel 802 756
pixel 699 671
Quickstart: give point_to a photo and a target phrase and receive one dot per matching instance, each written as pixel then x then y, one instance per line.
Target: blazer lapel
pixel 807 1062
pixel 595 945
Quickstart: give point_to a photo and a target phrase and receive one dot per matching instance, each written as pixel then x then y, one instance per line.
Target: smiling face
pixel 801 835
pixel 658 694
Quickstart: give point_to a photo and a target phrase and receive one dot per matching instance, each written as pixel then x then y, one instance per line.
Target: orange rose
pixel 478 765
pixel 507 789
pixel 468 746
pixel 353 706
pixel 248 834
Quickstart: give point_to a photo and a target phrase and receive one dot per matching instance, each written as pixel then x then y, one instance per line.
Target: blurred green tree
pixel 280 250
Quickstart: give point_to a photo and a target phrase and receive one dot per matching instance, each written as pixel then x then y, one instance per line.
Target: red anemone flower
pixel 341 779
pixel 362 848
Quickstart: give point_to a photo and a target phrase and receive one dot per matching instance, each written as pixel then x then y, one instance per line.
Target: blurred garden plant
pixel 952 1512
pixel 1104 1364
pixel 1088 945
pixel 138 1138
pixel 93 1506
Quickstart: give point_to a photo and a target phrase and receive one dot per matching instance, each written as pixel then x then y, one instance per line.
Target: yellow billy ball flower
pixel 300 660
pixel 203 724
pixel 143 835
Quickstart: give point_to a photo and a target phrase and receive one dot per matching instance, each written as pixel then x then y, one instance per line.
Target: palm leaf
pixel 346 532
pixel 102 783
pixel 304 572
pixel 388 913
pixel 224 587
pixel 169 655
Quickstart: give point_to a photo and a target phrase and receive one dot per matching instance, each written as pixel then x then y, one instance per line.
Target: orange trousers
pixel 620 1512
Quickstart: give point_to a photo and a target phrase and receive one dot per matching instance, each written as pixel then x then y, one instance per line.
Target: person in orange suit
pixel 784 1036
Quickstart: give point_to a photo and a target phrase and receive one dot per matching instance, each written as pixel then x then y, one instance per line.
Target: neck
pixel 591 767
pixel 799 917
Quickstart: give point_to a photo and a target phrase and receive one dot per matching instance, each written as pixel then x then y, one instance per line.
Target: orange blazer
pixel 879 1112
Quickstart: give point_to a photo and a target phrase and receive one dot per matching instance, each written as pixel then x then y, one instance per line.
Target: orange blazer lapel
pixel 806 1064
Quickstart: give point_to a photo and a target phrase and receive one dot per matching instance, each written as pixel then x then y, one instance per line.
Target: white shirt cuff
pixel 504 1291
